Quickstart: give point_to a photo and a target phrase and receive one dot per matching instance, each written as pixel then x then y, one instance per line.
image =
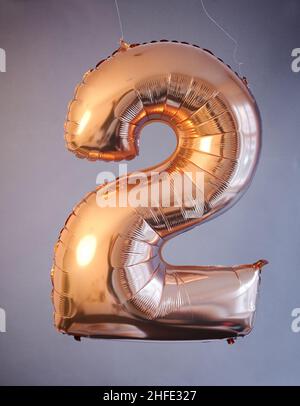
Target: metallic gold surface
pixel 109 278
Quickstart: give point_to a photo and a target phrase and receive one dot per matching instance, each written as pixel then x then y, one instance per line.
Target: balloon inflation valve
pixel 231 341
pixel 260 264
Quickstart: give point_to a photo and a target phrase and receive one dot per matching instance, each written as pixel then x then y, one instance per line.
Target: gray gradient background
pixel 49 45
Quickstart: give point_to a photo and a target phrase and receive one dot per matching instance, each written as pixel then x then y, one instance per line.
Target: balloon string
pixel 120 21
pixel 236 45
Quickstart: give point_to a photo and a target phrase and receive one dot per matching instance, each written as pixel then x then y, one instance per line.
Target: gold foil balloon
pixel 109 278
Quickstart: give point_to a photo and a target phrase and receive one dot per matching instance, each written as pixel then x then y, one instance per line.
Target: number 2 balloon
pixel 109 278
